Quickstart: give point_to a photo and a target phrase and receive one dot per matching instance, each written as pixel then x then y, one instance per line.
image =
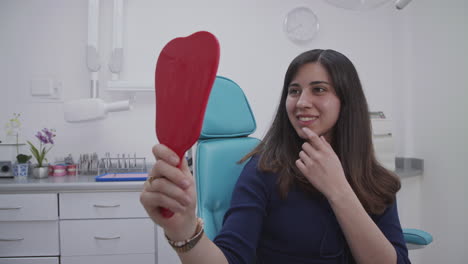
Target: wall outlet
pixel 42 87
pixel 46 91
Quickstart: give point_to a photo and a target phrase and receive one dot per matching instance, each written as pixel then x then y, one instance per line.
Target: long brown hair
pixel 374 185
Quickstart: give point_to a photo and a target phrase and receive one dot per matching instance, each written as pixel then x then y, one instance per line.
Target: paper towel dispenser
pixel 383 140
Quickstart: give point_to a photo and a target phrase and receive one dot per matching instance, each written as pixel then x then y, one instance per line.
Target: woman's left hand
pixel 322 167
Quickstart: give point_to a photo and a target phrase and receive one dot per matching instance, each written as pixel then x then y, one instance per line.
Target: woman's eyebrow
pixel 295 84
pixel 318 82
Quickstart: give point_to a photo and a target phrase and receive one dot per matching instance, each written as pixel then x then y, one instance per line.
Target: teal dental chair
pixel 223 142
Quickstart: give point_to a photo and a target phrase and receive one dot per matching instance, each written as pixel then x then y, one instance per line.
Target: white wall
pixel 411 65
pixel 46 39
pixel 439 57
pixel 430 62
pixel 409 196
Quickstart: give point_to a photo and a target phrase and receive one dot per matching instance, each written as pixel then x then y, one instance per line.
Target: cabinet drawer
pixel 101 205
pixel 19 207
pixel 104 237
pixel 29 238
pixel 114 259
pixel 43 260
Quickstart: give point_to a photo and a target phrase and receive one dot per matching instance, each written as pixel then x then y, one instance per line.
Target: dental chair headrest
pixel 228 112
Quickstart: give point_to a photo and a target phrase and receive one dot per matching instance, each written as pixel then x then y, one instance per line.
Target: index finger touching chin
pixel 314 139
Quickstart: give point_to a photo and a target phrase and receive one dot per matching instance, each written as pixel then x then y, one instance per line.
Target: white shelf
pixel 12 144
pixel 404 173
pixel 408 167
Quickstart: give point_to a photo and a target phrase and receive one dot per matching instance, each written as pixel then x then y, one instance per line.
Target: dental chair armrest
pixel 417 236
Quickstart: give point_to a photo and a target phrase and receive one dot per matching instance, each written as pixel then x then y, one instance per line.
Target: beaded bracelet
pixel 188 244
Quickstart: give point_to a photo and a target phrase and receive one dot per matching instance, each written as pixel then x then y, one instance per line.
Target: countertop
pixel 405 167
pixel 81 183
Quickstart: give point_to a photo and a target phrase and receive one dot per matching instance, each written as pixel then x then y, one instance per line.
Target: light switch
pixel 42 87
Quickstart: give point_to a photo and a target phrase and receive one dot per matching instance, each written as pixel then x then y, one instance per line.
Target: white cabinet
pixel 27 207
pixel 112 259
pixel 28 225
pixel 29 238
pixel 72 228
pixel 107 227
pixel 106 237
pixel 101 205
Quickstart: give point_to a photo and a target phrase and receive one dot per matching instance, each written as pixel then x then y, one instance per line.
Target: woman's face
pixel 312 101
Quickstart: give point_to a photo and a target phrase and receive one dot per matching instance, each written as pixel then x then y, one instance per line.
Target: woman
pixel 313 191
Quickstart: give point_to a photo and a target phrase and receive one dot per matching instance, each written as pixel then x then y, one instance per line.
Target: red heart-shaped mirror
pixel 185 73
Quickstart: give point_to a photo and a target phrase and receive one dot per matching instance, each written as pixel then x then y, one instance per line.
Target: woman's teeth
pixel 305 119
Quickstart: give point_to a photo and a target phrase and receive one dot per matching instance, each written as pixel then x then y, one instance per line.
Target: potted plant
pixel 45 137
pixel 22 165
pixel 13 127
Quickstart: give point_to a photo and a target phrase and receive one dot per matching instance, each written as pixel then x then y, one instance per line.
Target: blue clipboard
pixel 127 176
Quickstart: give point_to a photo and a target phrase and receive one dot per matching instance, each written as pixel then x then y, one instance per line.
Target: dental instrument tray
pixel 122 168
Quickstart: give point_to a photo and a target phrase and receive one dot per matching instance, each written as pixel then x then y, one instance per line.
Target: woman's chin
pixel 302 135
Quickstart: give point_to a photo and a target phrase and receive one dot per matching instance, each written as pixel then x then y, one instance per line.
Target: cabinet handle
pixel 10 239
pixel 106 238
pixel 106 206
pixel 11 208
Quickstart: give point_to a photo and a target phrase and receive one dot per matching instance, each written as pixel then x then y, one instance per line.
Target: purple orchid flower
pixel 42 138
pixel 45 136
pixel 49 134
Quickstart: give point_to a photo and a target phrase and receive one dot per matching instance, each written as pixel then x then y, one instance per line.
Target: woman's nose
pixel 304 101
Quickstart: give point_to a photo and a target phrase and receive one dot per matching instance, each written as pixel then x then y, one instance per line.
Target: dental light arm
pixel 92 54
pixel 94 108
pixel 115 63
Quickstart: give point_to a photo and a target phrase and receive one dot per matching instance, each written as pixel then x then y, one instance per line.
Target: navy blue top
pixel 260 227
